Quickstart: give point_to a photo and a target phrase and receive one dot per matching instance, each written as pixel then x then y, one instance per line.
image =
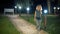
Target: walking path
pixel 24 26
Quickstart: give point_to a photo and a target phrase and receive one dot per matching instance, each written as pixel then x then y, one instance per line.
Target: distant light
pixel 58 8
pixel 19 7
pixel 15 6
pixel 28 9
pixel 45 11
pixel 54 7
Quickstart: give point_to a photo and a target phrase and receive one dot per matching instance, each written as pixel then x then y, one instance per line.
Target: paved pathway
pixel 24 26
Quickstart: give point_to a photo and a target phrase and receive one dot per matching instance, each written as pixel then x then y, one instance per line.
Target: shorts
pixel 38 18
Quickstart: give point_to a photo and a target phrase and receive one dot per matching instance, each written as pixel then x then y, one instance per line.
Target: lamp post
pixel 54 10
pixel 28 10
pixel 15 9
pixel 19 10
pixel 45 18
pixel 58 8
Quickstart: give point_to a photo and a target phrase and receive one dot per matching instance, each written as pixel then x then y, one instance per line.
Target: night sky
pixel 6 3
pixel 11 4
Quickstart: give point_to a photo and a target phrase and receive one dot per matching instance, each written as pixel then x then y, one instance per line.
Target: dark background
pixel 11 4
pixel 6 4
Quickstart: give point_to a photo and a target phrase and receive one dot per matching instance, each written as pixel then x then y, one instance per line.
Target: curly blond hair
pixel 39 7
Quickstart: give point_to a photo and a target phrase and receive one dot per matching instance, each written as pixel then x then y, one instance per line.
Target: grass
pixel 53 23
pixel 29 19
pixel 6 27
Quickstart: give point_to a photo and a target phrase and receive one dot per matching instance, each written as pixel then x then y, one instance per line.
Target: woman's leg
pixel 38 23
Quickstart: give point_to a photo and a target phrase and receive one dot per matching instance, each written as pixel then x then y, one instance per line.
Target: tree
pixel 23 3
pixel 48 3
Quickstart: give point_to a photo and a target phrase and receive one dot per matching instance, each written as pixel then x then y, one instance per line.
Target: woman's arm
pixel 40 13
pixel 35 16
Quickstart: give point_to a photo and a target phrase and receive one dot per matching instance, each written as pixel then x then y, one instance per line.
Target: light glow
pixel 54 7
pixel 15 6
pixel 28 9
pixel 45 11
pixel 19 7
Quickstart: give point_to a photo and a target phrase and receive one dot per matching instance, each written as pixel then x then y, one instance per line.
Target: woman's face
pixel 38 7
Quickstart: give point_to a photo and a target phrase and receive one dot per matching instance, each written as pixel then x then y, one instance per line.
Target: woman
pixel 37 16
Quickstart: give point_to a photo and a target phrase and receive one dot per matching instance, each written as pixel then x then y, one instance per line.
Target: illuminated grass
pixel 6 27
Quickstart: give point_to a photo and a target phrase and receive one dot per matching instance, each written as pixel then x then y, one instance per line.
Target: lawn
pixel 6 27
pixel 53 23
